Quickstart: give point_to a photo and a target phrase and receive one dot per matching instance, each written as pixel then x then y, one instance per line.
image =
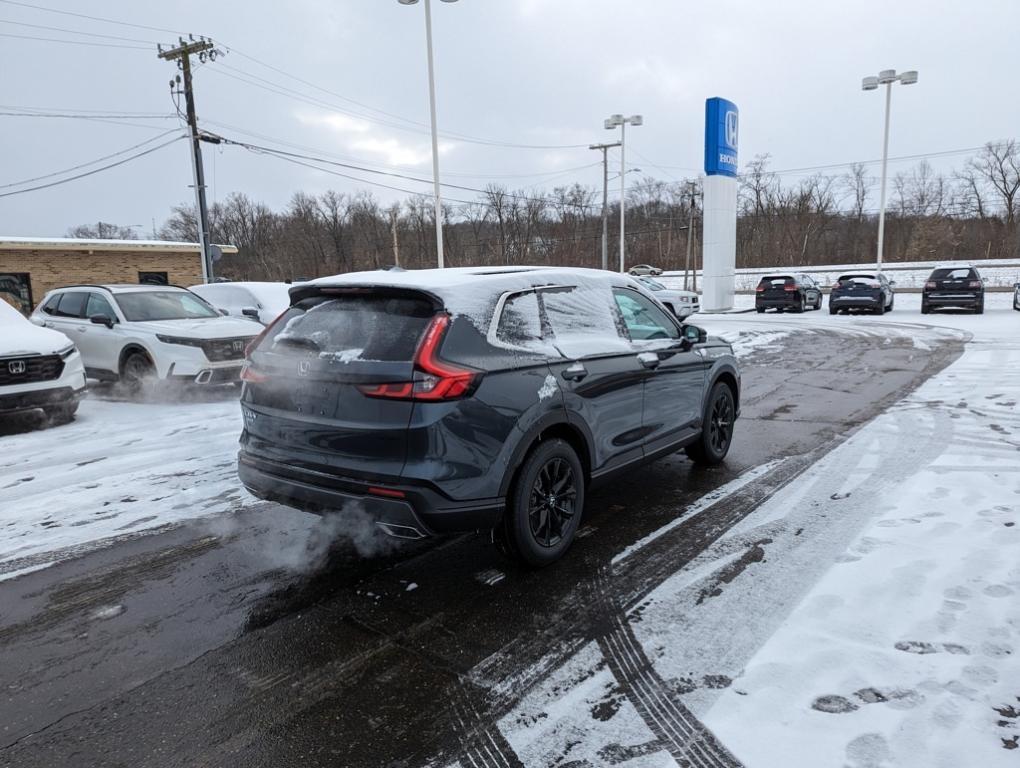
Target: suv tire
pixel 980 308
pixel 61 414
pixel 544 506
pixel 138 374
pixel 716 428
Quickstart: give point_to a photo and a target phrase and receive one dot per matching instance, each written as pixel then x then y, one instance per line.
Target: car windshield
pixel 142 306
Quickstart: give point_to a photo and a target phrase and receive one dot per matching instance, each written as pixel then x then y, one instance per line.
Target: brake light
pixel 975 283
pixel 760 288
pixel 789 287
pixel 434 379
pixel 930 284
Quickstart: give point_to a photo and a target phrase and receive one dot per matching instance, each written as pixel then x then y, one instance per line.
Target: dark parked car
pixel 793 292
pixel 957 287
pixel 1016 296
pixel 862 290
pixel 474 399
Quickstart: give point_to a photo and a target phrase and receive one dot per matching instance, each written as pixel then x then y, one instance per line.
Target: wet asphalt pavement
pixel 243 641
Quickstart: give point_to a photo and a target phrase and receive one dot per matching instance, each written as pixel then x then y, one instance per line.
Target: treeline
pixel 783 219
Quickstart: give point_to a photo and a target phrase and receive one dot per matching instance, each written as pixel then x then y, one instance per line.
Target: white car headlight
pixel 67 351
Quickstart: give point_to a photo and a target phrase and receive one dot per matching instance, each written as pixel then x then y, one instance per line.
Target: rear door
pixel 307 409
pixel 67 317
pixel 99 344
pixel 774 287
pixel 676 373
pixel 954 280
pixel 599 375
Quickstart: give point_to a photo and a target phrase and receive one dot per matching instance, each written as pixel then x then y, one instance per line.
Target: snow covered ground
pixel 865 615
pixel 120 469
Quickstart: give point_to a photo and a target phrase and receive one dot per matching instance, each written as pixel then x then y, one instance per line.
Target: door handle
pixel 574 372
pixel 649 359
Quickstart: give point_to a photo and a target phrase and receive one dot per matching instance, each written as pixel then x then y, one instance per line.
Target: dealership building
pixel 30 266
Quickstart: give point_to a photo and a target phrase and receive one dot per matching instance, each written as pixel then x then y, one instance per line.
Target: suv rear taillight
pixel 789 287
pixel 435 379
pixel 931 285
pixel 975 283
pixel 760 288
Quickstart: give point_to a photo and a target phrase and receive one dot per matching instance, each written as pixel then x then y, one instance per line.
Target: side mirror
pixel 223 312
pixel 892 282
pixel 695 335
pixel 102 320
pixel 250 312
pixel 1016 285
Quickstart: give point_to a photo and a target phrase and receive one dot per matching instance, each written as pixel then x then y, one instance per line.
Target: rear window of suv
pixel 346 328
pixel 777 280
pixel 954 274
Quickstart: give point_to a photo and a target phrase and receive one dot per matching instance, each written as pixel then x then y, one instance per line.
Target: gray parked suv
pixel 475 399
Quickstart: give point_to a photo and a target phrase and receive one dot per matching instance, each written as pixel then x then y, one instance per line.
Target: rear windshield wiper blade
pixel 302 342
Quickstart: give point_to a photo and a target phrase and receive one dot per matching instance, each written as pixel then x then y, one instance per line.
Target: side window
pixel 583 314
pixel 50 305
pixel 520 324
pixel 642 318
pixel 71 305
pixel 98 305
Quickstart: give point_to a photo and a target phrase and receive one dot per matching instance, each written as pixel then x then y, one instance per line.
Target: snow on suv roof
pixel 472 291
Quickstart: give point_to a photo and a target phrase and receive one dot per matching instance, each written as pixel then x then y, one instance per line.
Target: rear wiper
pixel 302 342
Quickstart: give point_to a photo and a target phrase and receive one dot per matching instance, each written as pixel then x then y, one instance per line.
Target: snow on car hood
pixel 20 337
pixel 201 328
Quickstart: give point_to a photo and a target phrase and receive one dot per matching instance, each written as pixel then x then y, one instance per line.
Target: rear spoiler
pixel 311 290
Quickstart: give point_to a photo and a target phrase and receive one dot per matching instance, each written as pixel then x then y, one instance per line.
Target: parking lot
pixel 869 499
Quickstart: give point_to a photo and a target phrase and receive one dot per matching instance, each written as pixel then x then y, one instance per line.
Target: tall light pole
pixel 886 77
pixel 611 123
pixel 435 137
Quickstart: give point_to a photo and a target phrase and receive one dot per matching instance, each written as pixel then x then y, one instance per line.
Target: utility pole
pixel 605 199
pixel 690 230
pixel 205 50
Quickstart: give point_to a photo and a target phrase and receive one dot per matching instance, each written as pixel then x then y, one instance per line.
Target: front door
pixel 675 377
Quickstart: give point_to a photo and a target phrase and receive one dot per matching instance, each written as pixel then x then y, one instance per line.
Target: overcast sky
pixel 533 72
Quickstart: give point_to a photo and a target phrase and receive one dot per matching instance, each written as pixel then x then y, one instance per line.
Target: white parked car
pixel 259 301
pixel 683 304
pixel 39 368
pixel 137 334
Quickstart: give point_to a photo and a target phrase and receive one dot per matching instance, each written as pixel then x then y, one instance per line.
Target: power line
pixel 91 18
pixel 72 42
pixel 71 116
pixel 90 162
pixel 75 31
pixel 92 172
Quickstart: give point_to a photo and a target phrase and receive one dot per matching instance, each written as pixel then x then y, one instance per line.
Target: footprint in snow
pixel 920 647
pixel 895 697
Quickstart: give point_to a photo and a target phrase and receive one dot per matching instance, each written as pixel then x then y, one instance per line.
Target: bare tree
pixel 102 230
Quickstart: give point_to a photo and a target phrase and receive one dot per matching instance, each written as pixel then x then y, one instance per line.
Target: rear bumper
pixel 793 300
pixel 851 302
pixel 416 513
pixel 39 398
pixel 952 299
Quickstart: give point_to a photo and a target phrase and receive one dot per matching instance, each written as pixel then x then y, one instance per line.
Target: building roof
pixel 81 244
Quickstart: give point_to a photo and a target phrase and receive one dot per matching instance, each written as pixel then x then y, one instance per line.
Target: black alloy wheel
pixel 138 374
pixel 552 502
pixel 544 505
pixel 717 427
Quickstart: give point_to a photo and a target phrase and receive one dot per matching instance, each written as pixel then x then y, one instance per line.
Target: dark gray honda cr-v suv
pixel 466 399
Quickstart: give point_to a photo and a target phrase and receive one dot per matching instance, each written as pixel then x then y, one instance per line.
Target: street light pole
pixel 437 195
pixel 610 123
pixel 886 77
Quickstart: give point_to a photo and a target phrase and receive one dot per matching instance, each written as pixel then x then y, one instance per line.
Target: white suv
pixel 263 302
pixel 137 334
pixel 38 368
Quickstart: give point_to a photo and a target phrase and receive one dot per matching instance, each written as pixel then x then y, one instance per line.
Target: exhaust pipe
pixel 401 531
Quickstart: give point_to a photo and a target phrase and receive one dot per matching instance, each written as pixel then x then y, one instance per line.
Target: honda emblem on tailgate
pixel 16 366
pixel 303 367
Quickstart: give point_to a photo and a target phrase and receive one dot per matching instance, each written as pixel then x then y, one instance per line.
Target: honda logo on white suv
pixel 16 366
